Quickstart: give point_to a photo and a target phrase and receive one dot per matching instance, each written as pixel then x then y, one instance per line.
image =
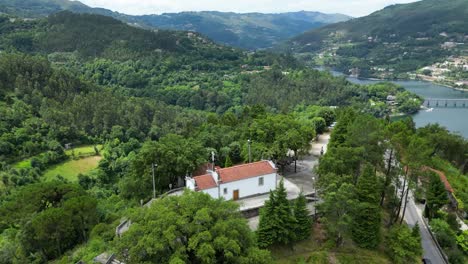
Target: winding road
pixel 430 250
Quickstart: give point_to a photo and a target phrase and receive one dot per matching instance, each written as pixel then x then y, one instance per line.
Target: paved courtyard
pixel 303 178
pixel 259 201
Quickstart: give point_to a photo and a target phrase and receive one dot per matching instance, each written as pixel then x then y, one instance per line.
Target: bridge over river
pixel 453 103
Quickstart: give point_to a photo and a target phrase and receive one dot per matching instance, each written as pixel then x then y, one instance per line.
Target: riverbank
pixel 435 81
pixel 419 77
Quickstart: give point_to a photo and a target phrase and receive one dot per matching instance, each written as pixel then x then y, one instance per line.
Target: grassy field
pixel 82 151
pixel 70 169
pixel 23 164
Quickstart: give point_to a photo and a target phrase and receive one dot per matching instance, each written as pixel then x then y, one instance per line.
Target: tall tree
pixel 338 203
pixel 367 214
pixel 417 156
pixel 436 196
pixel 397 136
pixel 277 222
pixel 303 223
pixel 370 138
pixel 298 142
pixel 266 232
pixel 84 214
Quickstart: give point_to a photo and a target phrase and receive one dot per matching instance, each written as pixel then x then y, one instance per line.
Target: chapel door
pixel 235 195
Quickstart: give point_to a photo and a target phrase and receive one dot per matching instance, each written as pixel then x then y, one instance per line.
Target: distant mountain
pixel 250 31
pixel 400 38
pixel 39 8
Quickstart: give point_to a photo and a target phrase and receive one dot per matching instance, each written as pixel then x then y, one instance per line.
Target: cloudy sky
pixel 350 7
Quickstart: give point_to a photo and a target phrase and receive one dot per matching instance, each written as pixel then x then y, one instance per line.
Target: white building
pixel 236 182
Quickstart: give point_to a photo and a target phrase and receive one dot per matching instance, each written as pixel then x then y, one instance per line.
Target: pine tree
pixel 303 221
pixel 415 232
pixel 277 223
pixel 367 188
pixel 366 216
pixel 266 234
pixel 283 214
pixel 366 225
pixel 228 162
pixel 436 196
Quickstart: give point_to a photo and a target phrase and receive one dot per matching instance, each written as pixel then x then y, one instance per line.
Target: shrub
pixel 462 241
pixel 404 245
pixel 455 256
pixel 451 219
pixel 443 232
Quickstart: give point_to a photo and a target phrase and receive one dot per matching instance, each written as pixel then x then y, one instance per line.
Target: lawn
pixel 70 169
pixel 82 151
pixel 23 164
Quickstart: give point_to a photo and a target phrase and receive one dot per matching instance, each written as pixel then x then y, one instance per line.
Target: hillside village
pixel 452 72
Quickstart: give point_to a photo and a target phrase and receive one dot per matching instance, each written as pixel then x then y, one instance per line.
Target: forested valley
pixel 136 97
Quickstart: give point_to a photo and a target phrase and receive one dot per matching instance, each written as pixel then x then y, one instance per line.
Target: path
pixel 303 178
pixel 414 215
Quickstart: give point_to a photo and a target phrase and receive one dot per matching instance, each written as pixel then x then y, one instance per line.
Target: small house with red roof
pixel 236 182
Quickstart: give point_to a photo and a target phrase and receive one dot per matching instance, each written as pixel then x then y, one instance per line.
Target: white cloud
pixel 139 7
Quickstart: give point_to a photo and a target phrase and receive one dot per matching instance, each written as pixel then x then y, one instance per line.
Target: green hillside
pixel 250 31
pixel 401 37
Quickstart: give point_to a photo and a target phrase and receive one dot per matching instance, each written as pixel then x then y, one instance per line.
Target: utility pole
pixel 154 166
pixel 212 161
pixel 249 142
pixel 315 197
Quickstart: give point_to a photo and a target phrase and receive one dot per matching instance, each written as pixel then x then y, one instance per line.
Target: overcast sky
pixel 139 7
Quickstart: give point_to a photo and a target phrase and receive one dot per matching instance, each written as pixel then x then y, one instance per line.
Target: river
pixel 454 119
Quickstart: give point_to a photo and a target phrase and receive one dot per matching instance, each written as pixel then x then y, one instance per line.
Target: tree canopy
pixel 192 228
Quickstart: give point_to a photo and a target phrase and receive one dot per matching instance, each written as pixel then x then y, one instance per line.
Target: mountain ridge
pixel 245 30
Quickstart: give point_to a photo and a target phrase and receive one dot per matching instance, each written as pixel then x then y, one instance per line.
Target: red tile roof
pixel 205 182
pixel 246 171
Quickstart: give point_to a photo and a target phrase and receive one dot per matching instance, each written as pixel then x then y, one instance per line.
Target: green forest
pixel 130 97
